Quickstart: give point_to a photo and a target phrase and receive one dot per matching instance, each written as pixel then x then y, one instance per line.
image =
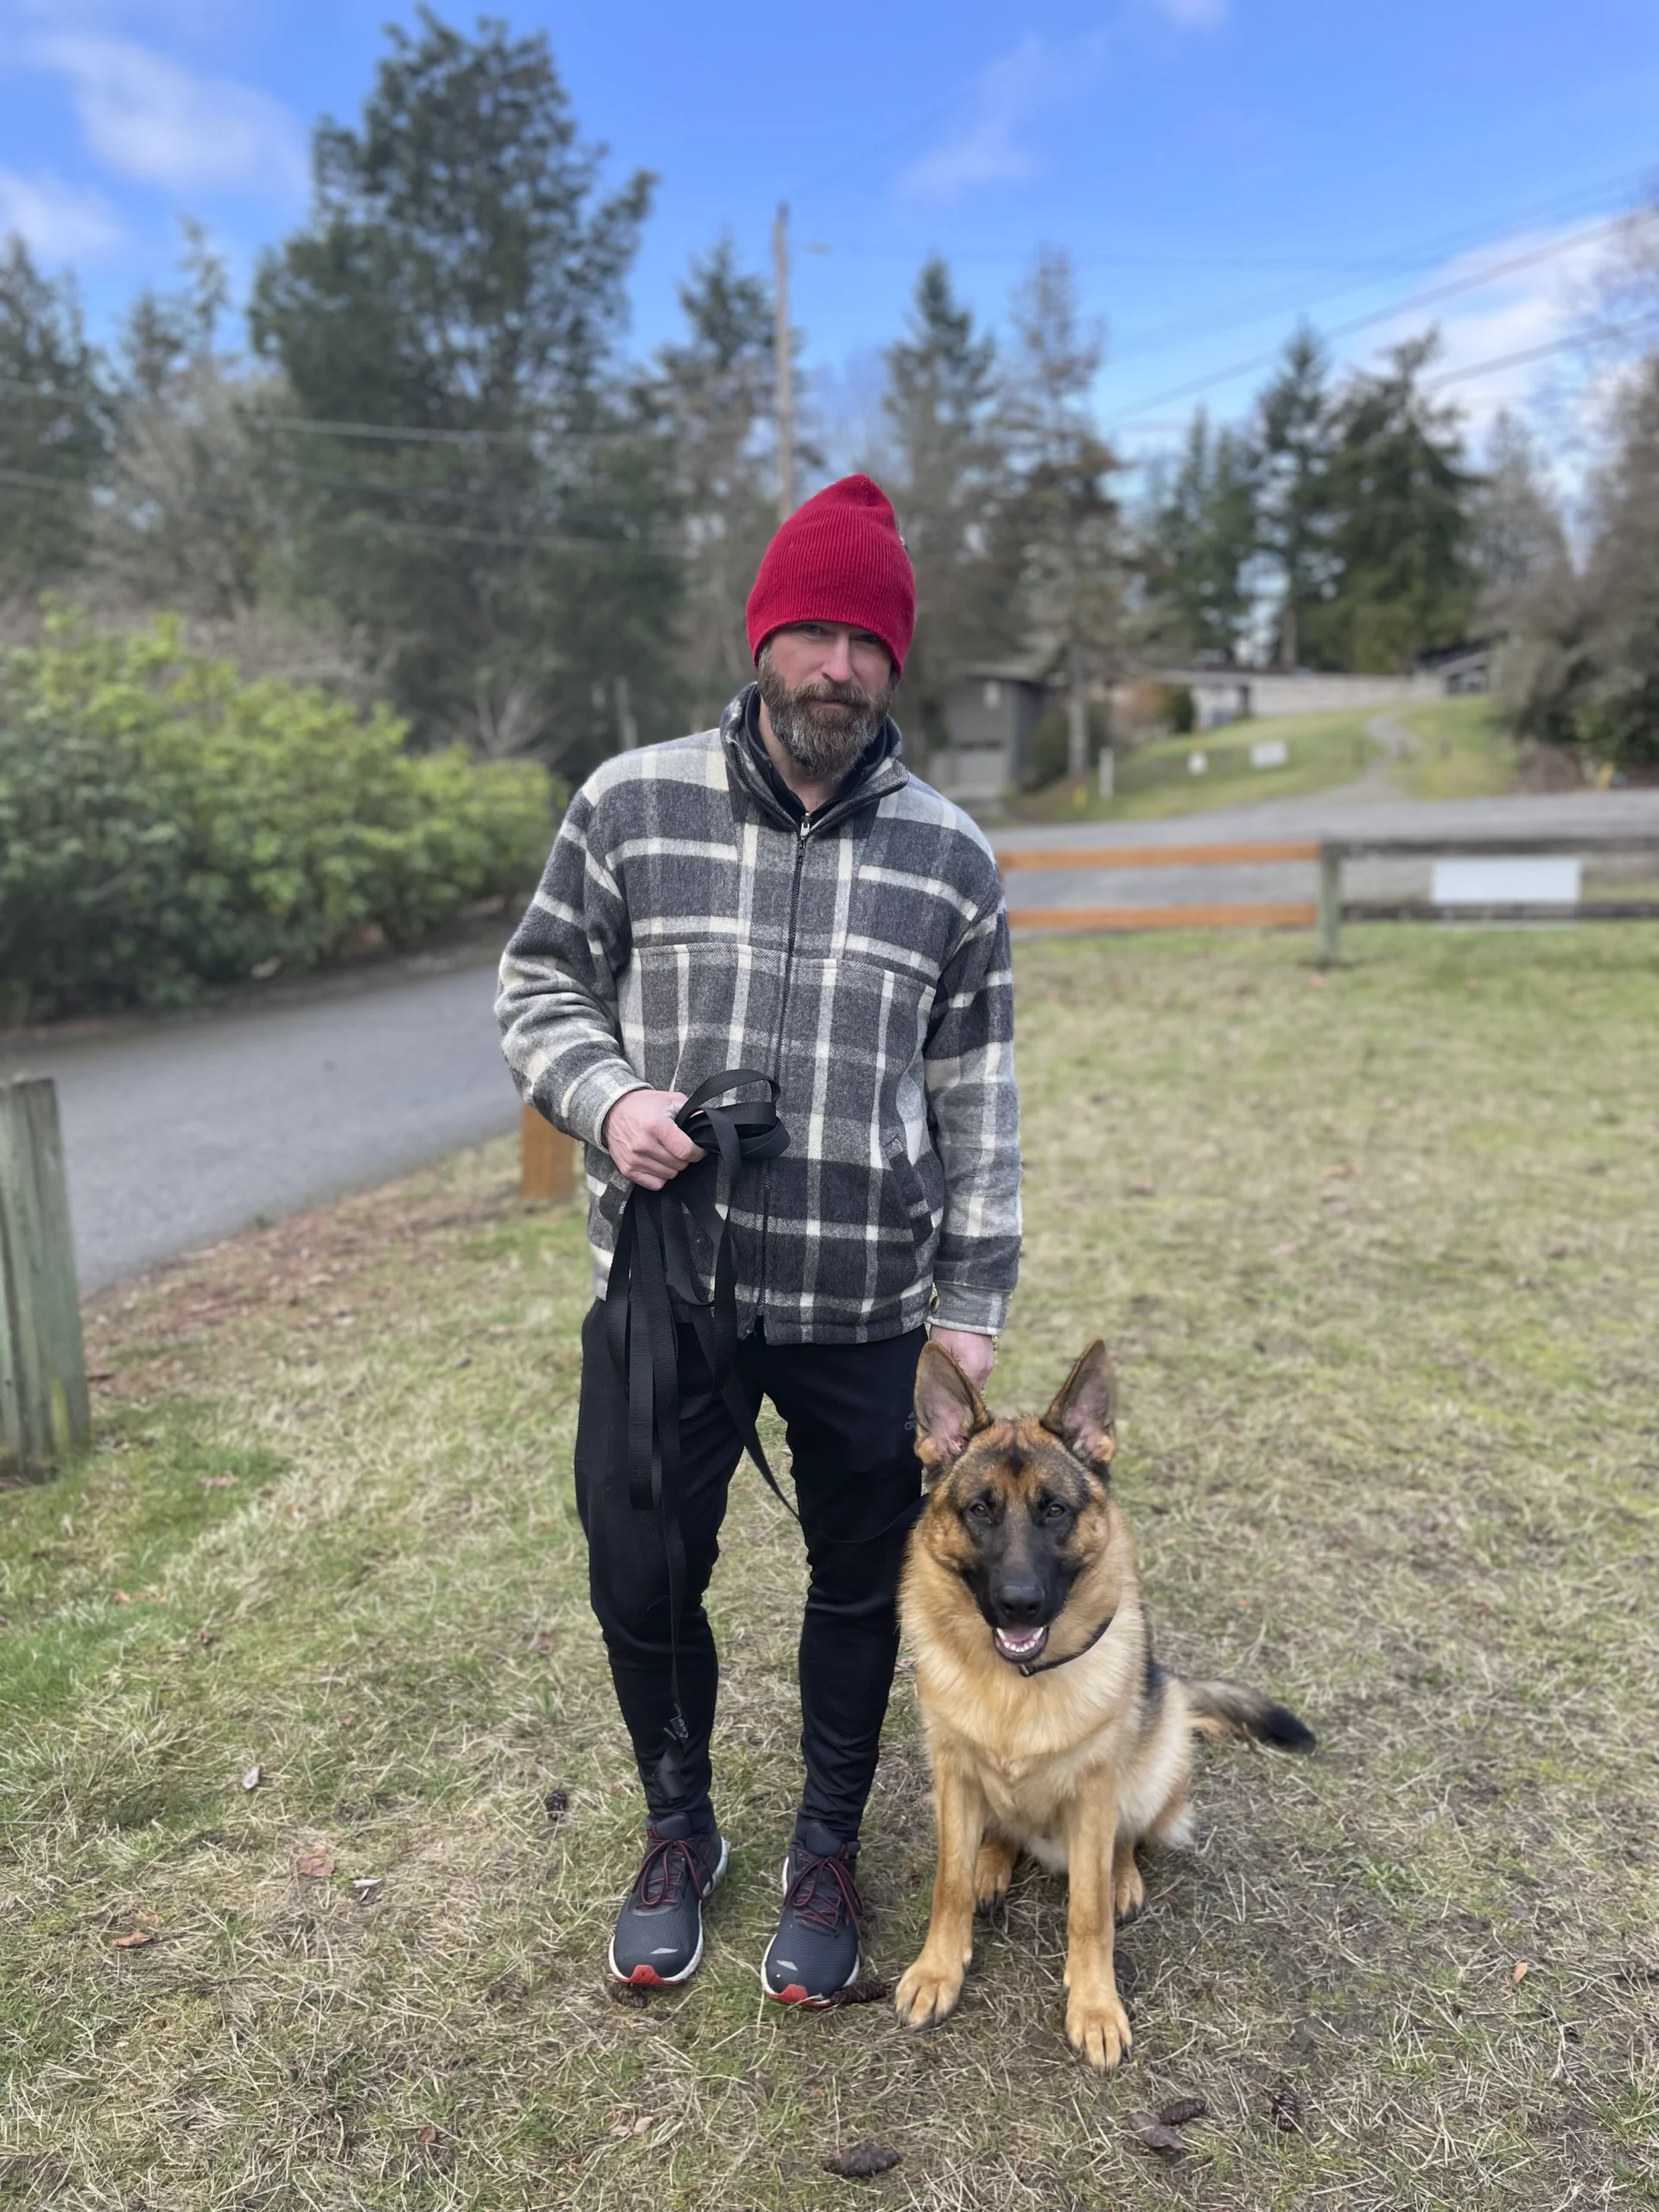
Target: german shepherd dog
pixel 1051 1727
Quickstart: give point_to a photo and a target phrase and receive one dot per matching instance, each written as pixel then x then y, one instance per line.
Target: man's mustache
pixel 834 694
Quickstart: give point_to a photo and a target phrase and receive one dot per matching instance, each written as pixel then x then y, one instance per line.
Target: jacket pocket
pixel 909 1189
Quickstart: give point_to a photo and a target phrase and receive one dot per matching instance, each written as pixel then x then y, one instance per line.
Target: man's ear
pixel 1083 1417
pixel 949 1411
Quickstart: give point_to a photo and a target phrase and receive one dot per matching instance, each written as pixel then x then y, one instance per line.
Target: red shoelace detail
pixel 670 1862
pixel 823 1891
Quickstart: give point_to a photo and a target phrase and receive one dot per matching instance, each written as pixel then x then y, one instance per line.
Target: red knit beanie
pixel 839 558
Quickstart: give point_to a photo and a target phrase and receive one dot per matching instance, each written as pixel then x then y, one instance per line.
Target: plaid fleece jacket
pixel 686 924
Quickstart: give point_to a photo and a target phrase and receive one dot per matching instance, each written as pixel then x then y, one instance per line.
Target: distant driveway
pixel 179 1133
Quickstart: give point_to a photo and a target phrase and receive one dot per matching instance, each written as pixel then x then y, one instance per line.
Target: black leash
pixel 654 1284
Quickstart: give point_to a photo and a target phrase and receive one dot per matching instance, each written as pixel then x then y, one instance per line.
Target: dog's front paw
pixel 1097 2029
pixel 927 1992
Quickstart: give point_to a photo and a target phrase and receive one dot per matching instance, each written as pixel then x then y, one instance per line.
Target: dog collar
pixel 1042 1666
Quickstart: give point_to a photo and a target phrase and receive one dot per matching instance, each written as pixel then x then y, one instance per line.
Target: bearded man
pixel 780 894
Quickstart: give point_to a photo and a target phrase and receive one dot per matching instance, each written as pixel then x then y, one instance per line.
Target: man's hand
pixel 973 1354
pixel 640 1136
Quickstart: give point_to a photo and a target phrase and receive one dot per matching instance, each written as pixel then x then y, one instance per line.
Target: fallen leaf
pixel 873 1991
pixel 122 1597
pixel 1522 1968
pixel 642 2126
pixel 861 2161
pixel 1181 2112
pixel 543 1640
pixel 1344 1172
pixel 366 1888
pixel 134 1940
pixel 1283 1251
pixel 555 1805
pixel 1285 2107
pixel 1153 2135
pixel 253 1777
pixel 314 1866
pixel 218 1482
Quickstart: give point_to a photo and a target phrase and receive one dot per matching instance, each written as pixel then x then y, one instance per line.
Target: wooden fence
pixel 1327 912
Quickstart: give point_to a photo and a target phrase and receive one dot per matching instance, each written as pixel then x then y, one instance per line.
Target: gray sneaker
pixel 658 1939
pixel 815 1953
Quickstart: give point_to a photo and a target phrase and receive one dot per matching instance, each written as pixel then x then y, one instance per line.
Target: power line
pixel 1407 306
pixel 1607 330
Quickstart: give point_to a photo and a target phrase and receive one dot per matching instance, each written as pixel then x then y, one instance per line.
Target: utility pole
pixel 784 366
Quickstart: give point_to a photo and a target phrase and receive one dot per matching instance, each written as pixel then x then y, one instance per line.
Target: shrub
pixel 166 826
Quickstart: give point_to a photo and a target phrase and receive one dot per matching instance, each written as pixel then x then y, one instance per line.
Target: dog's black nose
pixel 1019 1599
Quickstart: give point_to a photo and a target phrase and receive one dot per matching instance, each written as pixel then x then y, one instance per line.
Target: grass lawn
pixel 1461 751
pixel 1379 1258
pixel 1154 783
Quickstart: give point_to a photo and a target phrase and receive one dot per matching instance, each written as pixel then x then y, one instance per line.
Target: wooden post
pixel 547 1160
pixel 1329 905
pixel 44 1414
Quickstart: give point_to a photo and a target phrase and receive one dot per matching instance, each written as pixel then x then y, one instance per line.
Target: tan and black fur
pixel 1041 1739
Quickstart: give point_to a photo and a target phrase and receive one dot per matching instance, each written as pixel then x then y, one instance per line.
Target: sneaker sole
pixel 647 1977
pixel 793 1992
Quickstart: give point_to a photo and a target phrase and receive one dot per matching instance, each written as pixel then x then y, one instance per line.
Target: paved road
pixel 183 1132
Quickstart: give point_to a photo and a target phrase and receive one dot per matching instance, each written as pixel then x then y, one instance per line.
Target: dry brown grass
pixel 1377 1259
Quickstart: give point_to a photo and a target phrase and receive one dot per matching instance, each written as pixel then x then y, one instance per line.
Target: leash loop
pixel 656 1284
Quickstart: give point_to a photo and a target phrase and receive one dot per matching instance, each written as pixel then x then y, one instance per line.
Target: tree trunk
pixel 1076 707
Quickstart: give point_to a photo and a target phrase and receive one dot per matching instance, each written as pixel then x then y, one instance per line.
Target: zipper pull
pixel 806 827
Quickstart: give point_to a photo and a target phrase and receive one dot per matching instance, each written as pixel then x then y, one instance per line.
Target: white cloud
pixel 1194 14
pixel 1037 77
pixel 55 220
pixel 1537 297
pixel 146 118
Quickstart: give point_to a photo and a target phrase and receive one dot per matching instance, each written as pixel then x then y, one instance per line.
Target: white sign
pixel 1269 753
pixel 1197 763
pixel 1508 880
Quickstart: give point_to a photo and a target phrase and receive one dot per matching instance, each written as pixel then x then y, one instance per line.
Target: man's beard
pixel 824 727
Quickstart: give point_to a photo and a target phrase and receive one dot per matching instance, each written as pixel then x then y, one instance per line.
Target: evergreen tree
pixel 1063 515
pixel 1401 496
pixel 184 526
pixel 1582 669
pixel 950 487
pixel 715 393
pixel 458 291
pixel 1294 439
pixel 1200 545
pixel 56 418
pixel 1516 540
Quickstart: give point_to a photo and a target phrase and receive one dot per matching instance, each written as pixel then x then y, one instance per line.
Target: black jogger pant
pixel 847 1410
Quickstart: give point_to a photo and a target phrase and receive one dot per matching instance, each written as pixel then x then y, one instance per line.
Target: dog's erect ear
pixel 1084 1414
pixel 949 1410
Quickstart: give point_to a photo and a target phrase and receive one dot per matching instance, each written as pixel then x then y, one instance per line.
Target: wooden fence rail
pixel 1327 913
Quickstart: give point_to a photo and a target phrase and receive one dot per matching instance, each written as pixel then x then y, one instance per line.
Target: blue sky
pixel 1215 167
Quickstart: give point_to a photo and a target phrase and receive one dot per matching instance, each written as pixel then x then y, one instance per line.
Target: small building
pixel 989 716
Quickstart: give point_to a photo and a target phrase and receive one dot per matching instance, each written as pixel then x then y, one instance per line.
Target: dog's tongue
pixel 1020 1643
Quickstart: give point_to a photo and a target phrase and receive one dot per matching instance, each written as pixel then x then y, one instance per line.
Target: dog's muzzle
pixel 1019 1646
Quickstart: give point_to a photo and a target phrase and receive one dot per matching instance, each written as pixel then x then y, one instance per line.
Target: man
pixel 780 893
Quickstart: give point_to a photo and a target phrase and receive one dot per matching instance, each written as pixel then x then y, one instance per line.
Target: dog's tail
pixel 1225 1709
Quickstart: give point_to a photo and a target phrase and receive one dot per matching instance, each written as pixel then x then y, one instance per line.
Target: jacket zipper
pixel 777 1049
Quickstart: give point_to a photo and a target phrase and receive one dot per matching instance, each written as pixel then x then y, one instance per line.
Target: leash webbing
pixel 654 1284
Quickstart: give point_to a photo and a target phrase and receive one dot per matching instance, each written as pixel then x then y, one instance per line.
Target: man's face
pixel 827 689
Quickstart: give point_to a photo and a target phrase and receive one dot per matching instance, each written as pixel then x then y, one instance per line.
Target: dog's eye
pixel 1053 1510
pixel 980 1508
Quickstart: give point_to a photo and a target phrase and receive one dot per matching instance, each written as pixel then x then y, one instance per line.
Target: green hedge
pixel 166 827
